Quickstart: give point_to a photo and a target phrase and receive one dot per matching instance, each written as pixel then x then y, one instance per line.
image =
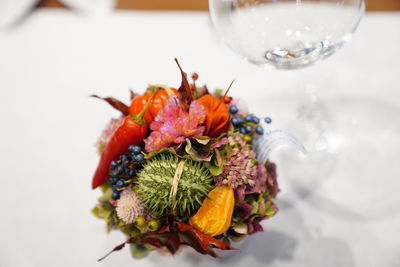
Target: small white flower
pixel 129 206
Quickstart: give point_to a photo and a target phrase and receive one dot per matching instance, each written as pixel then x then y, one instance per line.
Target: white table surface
pixel 55 59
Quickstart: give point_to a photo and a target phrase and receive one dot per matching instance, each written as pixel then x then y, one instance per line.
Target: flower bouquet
pixel 184 167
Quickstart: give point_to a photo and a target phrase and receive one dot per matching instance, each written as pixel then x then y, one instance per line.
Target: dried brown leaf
pixel 115 103
pixel 185 94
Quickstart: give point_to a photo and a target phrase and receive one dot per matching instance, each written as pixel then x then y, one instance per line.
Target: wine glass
pixel 342 132
pixel 286 34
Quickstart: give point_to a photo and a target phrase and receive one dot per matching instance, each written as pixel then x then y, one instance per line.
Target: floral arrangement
pixel 179 168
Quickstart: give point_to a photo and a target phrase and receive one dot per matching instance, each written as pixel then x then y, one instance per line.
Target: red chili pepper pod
pixel 132 131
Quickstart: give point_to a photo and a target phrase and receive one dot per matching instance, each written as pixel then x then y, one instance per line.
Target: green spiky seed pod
pixel 156 179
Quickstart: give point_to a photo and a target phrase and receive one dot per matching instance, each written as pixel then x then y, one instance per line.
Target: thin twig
pixel 226 92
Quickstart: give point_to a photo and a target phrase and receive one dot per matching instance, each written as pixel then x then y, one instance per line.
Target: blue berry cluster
pixel 123 171
pixel 249 124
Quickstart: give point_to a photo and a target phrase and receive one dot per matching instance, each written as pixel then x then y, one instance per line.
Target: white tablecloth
pixel 55 59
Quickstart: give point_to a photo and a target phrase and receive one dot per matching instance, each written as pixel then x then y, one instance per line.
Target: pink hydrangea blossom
pixel 266 179
pixel 240 169
pixel 172 124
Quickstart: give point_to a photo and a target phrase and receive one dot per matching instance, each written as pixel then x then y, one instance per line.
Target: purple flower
pixel 240 193
pixel 254 227
pixel 243 210
pixel 272 182
pixel 252 221
pixel 253 209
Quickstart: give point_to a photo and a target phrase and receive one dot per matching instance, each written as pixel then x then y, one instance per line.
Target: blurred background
pixel 372 5
pixel 339 205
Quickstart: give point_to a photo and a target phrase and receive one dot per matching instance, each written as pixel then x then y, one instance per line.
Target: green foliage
pixel 240 228
pixel 104 210
pixel 130 230
pixel 220 157
pixel 139 251
pixel 107 192
pixel 155 182
pixel 197 149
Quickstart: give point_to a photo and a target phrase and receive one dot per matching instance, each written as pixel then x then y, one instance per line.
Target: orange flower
pixel 158 103
pixel 215 215
pixel 217 119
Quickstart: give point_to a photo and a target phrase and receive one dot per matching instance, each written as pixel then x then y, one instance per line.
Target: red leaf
pixel 205 241
pixel 173 236
pixel 115 103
